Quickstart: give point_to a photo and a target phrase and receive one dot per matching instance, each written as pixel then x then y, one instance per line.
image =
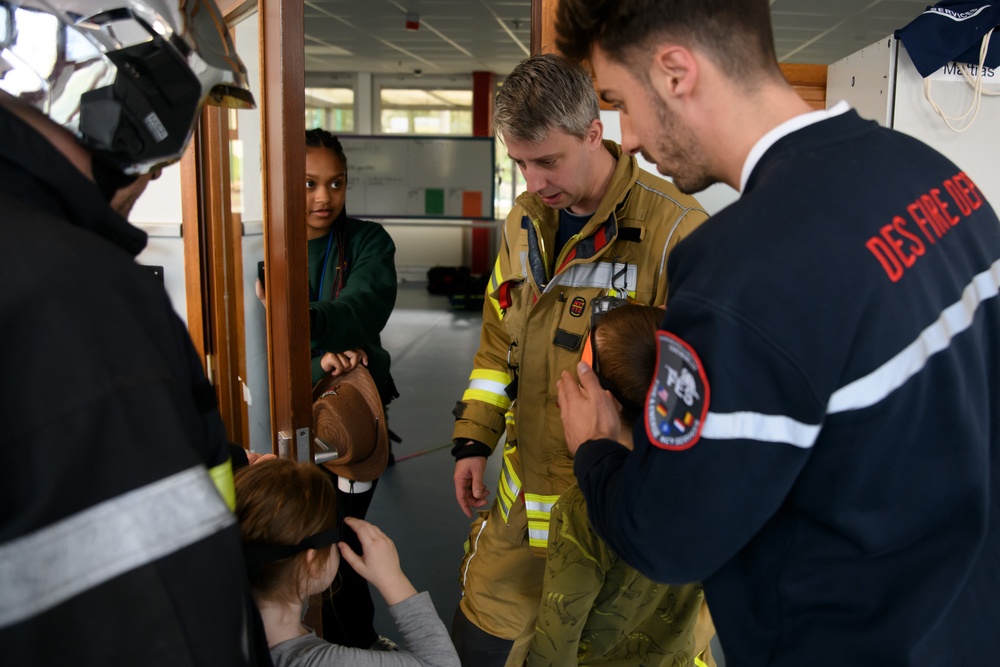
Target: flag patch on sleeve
pixel 678 398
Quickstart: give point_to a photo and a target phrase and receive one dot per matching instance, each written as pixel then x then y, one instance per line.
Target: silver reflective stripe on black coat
pixel 50 566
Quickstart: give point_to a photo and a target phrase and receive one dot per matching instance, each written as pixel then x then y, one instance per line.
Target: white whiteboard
pixel 419 177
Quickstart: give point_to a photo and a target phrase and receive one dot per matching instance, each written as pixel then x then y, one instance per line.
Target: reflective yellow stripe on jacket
pixel 510 485
pixel 85 550
pixel 539 509
pixel 496 279
pixel 489 387
pixel 222 477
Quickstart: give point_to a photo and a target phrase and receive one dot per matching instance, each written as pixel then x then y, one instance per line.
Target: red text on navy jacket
pixel 899 244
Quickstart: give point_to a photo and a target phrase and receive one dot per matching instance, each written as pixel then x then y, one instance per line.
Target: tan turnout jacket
pixel 537 316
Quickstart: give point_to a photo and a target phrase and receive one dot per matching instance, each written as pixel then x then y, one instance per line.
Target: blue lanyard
pixel 322 274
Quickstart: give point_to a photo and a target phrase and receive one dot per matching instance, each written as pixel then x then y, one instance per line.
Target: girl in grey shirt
pixel 288 522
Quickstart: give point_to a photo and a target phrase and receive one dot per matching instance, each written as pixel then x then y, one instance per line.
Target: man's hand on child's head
pixel 588 411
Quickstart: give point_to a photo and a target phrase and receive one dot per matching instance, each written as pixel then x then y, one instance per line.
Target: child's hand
pixel 380 562
pixel 340 363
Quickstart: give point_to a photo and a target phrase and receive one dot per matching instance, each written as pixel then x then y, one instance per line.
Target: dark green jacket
pixel 357 316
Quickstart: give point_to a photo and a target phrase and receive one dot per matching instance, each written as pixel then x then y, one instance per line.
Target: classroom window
pixel 425 111
pixel 330 108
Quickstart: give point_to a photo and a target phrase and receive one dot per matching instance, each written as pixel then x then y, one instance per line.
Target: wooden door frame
pixel 213 267
pixel 213 257
pixel 282 67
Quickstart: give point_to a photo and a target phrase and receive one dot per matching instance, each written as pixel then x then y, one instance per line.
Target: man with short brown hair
pixel 829 364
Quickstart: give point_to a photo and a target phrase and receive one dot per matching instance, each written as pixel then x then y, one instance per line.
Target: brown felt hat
pixel 348 416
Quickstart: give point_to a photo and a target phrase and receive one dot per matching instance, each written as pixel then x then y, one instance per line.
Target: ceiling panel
pixel 845 26
pixel 462 36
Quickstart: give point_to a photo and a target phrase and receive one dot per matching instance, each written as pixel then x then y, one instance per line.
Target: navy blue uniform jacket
pixel 841 499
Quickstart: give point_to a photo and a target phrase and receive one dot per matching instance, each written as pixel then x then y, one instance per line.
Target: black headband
pixel 257 556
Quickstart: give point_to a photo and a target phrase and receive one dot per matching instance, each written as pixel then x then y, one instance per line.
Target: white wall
pixel 256 386
pixel 426 244
pixel 158 213
pixel 975 150
pixel 881 82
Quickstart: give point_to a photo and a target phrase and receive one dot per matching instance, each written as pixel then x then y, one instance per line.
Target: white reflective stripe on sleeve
pixel 54 564
pixel 955 319
pixel 490 386
pixel 757 426
pixel 484 374
pixel 597 274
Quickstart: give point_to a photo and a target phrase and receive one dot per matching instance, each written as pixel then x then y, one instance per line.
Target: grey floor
pixel 432 349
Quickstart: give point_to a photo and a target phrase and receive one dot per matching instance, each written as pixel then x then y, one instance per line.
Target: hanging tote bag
pixel 959 32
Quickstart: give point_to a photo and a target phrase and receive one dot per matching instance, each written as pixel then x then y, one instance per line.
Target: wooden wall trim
pixel 225 271
pixel 212 267
pixel 191 235
pixel 543 26
pixel 809 81
pixel 282 100
pixel 235 10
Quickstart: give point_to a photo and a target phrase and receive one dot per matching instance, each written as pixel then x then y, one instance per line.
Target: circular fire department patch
pixel 678 398
pixel 578 306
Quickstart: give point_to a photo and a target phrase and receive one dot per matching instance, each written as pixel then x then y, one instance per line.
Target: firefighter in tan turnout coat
pixel 592 224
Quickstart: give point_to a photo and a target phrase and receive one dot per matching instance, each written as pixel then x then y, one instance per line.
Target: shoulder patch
pixel 678 398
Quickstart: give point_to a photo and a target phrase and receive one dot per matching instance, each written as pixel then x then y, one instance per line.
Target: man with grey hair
pixel 592 228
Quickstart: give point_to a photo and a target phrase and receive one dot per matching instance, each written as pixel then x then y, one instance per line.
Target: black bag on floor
pixel 469 293
pixel 443 279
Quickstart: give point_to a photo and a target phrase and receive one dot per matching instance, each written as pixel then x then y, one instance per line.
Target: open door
pixel 241 182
